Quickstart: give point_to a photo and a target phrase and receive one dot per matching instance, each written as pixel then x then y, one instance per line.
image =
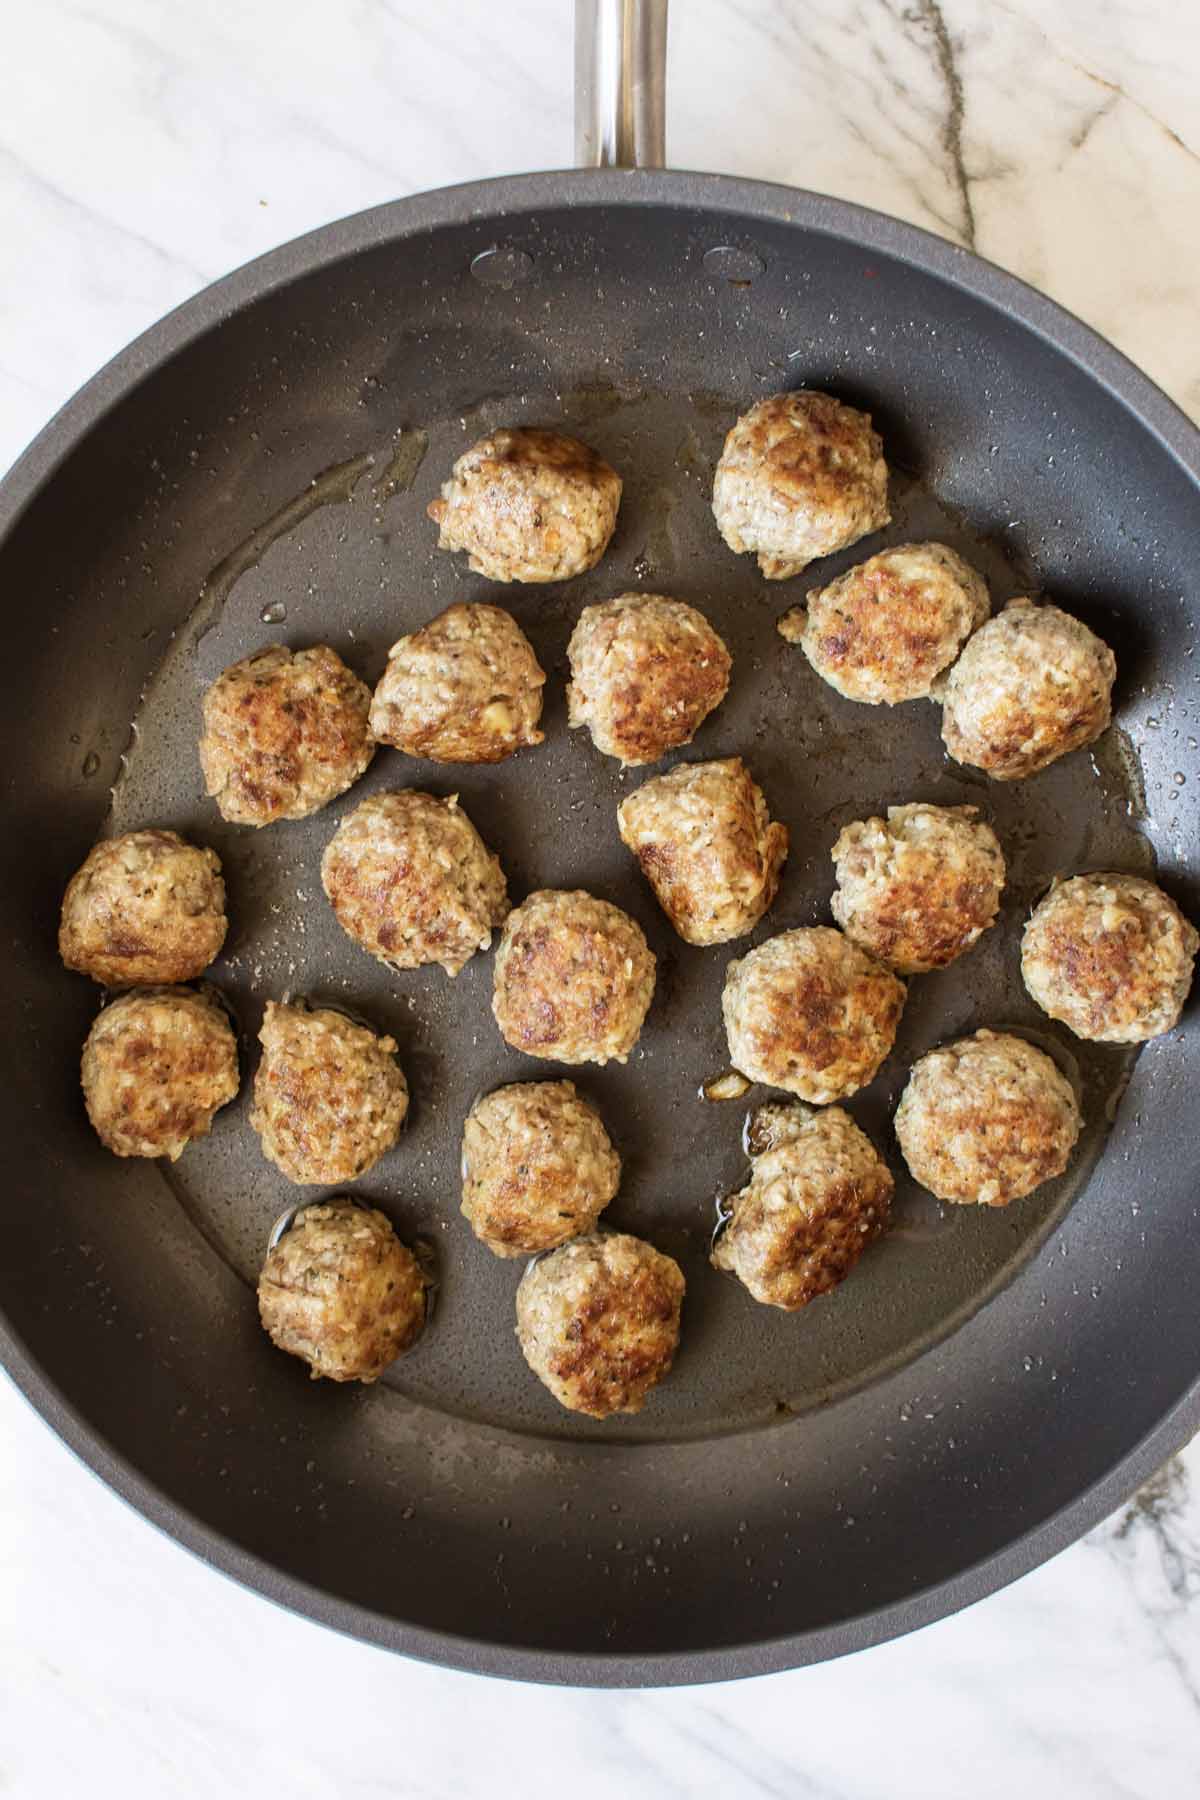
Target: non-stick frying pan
pixel 256 469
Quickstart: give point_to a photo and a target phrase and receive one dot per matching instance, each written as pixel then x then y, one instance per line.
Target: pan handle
pixel 620 83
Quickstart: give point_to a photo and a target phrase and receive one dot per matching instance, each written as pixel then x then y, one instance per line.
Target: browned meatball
pixel 817 1196
pixel 598 1322
pixel 986 1119
pixel 810 1012
pixel 574 979
pixel 646 671
pixel 707 846
pixel 538 1167
pixel 528 505
pixel 144 909
pixel 329 1096
pixel 284 734
pixel 921 887
pixel 801 475
pixel 411 880
pixel 1111 956
pixel 466 688
pixel 158 1064
pixel 1031 685
pixel 340 1291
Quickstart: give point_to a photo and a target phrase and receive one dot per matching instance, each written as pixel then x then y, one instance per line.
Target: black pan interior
pixel 763 1494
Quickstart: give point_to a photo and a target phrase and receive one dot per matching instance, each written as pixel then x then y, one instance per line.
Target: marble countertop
pixel 146 148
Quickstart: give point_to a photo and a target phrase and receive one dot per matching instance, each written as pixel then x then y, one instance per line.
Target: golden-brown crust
pixel 707 846
pixel 329 1096
pixel 528 505
pixel 466 688
pixel 598 1322
pixel 411 880
pixel 340 1291
pixel 158 1064
pixel 646 671
pixel 574 978
pixel 538 1167
pixel 813 1203
pixel 812 1013
pixel 143 910
pixel 284 734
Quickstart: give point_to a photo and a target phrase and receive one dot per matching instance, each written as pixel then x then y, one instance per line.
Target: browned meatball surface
pixel 707 846
pixel 466 688
pixel 646 671
pixel 158 1064
pixel 284 734
pixel 340 1291
pixel 598 1322
pixel 538 1167
pixel 144 909
pixel 574 978
pixel 817 1196
pixel 801 476
pixel 411 880
pixel 329 1096
pixel 528 505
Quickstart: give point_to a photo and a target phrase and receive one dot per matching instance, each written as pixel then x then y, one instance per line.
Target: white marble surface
pixel 146 147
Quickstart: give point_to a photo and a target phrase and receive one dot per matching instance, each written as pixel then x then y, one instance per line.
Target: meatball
pixel 329 1096
pixel 574 979
pixel 466 688
pixel 646 671
pixel 1111 956
pixel 143 910
pixel 1032 684
pixel 158 1064
pixel 707 847
pixel 528 505
pixel 340 1291
pixel 885 630
pixel 801 476
pixel 918 889
pixel 538 1167
pixel 411 880
pixel 284 734
pixel 598 1322
pixel 986 1119
pixel 815 1199
pixel 810 1012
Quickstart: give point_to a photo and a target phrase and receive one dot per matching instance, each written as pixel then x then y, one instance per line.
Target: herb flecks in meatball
pixel 919 888
pixel 646 671
pixel 818 1194
pixel 412 882
pixel 538 1167
pixel 340 1291
pixel 598 1322
pixel 810 1012
pixel 158 1064
pixel 986 1120
pixel 707 846
pixel 528 505
pixel 329 1096
pixel 1111 956
pixel 885 630
pixel 466 688
pixel 284 734
pixel 574 978
pixel 801 476
pixel 144 909
pixel 1031 685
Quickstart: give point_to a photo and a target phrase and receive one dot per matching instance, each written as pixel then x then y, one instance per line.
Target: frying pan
pixel 255 469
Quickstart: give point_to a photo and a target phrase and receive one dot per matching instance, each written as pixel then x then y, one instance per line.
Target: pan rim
pixel 486 204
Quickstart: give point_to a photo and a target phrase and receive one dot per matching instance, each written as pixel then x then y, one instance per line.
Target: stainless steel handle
pixel 620 83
